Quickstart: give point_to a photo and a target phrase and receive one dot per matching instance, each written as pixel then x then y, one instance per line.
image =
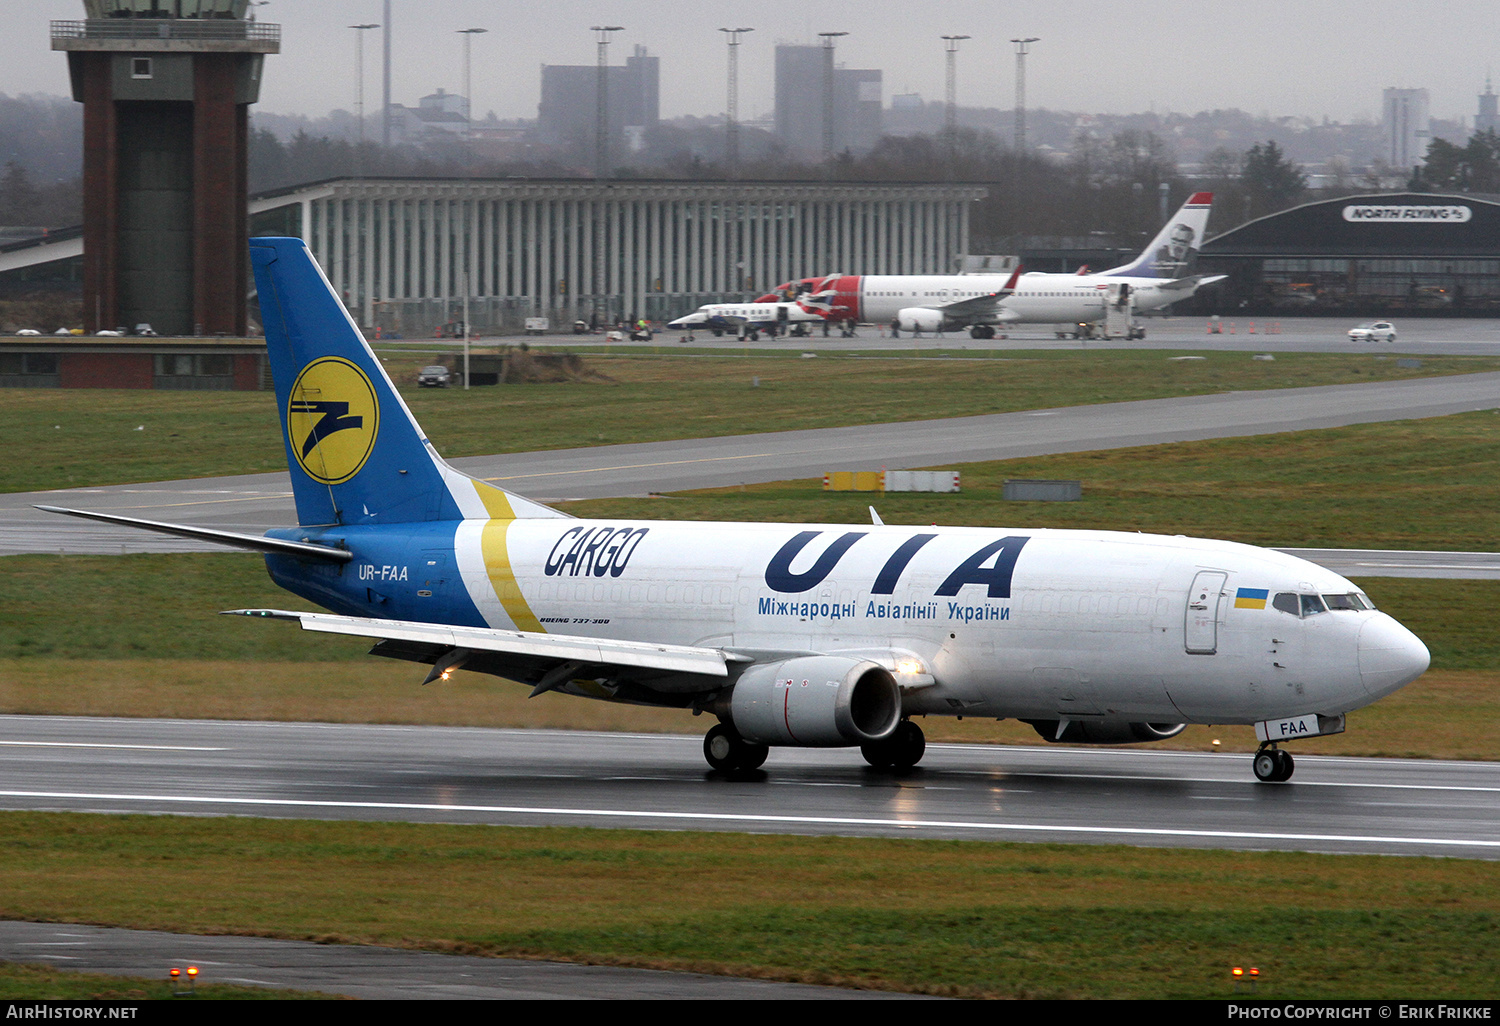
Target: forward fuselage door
pixel 1204 604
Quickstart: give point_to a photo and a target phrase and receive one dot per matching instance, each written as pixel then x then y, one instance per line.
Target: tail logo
pixel 332 419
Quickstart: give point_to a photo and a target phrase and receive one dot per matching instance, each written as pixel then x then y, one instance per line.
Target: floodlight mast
pixel 359 72
pixel 732 112
pixel 828 38
pixel 601 128
pixel 1023 47
pixel 950 119
pixel 468 34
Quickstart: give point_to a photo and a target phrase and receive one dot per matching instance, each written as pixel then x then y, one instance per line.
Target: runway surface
pixel 375 973
pixel 255 503
pixel 528 778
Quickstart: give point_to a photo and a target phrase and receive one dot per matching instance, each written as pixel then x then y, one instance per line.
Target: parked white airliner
pixel 1156 278
pixel 788 634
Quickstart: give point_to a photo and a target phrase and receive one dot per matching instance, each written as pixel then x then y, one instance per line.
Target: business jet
pixel 814 635
pixel 749 319
pixel 1155 279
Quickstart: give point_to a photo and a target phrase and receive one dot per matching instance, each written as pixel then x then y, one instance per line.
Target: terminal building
pixel 404 253
pixel 1372 255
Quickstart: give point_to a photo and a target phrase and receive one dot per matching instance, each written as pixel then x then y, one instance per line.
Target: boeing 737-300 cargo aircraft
pixel 830 635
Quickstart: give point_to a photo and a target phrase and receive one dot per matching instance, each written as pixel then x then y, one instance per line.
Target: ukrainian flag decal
pixel 1250 598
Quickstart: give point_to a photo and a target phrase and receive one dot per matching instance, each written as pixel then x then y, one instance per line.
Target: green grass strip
pixel 97 437
pixel 962 918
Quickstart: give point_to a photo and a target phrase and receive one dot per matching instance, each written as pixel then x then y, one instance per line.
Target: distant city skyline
pixel 1277 58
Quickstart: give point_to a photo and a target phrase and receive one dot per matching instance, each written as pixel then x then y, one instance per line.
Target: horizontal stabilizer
pixel 1192 281
pixel 234 539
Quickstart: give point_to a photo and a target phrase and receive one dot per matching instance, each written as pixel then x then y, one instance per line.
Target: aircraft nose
pixel 1390 656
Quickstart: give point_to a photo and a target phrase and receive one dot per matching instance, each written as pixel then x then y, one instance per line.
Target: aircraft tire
pixel 726 751
pixel 910 744
pixel 902 750
pixel 1272 765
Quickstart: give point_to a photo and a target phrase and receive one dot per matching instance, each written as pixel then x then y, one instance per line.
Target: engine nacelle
pixel 816 701
pixel 919 318
pixel 1106 732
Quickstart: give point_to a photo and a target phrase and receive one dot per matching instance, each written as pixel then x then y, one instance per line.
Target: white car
pixel 28 331
pixel 1377 331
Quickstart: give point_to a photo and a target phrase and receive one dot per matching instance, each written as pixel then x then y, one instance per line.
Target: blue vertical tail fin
pixel 355 452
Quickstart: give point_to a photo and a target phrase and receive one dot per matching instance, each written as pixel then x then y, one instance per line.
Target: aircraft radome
pixel 810 634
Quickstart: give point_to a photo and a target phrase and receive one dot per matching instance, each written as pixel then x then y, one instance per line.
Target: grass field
pixel 111 437
pixel 969 919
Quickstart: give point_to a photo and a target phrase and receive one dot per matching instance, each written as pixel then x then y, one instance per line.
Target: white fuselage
pixel 738 314
pixel 1037 299
pixel 1089 624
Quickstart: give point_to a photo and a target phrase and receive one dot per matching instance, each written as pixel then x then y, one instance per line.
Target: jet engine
pixel 816 701
pixel 1106 732
pixel 919 318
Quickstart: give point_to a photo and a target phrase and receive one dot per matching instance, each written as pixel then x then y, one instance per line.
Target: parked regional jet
pixel 1156 278
pixel 752 318
pixel 832 635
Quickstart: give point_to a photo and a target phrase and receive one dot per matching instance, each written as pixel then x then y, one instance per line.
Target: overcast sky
pixel 1278 57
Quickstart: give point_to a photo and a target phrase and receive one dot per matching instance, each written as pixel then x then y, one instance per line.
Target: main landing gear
pixel 902 750
pixel 727 752
pixel 1273 765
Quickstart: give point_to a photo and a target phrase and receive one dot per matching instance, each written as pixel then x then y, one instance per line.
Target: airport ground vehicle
pixel 1375 331
pixel 815 635
pixel 436 376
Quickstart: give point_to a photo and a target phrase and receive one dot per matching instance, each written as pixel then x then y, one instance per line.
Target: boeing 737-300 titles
pixel 830 635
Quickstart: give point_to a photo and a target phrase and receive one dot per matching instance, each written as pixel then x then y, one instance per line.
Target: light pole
pixel 468 34
pixel 601 128
pixel 732 114
pixel 828 38
pixel 359 72
pixel 385 110
pixel 950 115
pixel 1022 49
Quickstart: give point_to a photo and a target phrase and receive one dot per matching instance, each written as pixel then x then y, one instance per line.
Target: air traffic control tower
pixel 166 87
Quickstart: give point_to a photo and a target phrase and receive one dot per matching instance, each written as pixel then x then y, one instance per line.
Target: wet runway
pixel 529 778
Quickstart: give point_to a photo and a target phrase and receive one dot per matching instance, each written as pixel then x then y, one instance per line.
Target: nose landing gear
pixel 1273 765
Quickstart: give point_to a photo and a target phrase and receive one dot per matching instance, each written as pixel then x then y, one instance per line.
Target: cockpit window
pixel 1349 601
pixel 1312 605
pixel 1287 602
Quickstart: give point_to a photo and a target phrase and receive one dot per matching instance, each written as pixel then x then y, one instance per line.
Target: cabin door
pixel 1201 624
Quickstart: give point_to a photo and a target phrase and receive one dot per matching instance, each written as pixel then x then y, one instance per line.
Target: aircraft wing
pixel 974 306
pixel 547 660
pixel 1191 282
pixel 979 306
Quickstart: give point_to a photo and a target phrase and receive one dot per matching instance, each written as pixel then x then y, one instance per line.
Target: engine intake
pixel 919 318
pixel 816 701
